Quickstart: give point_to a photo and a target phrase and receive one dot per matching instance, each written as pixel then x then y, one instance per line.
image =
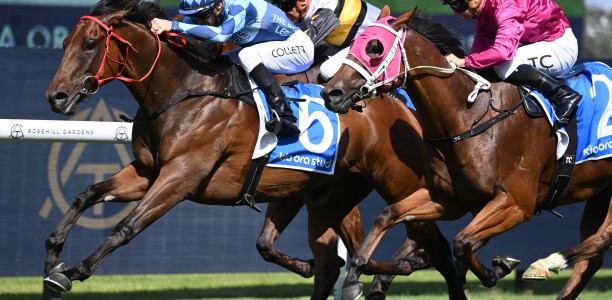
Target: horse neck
pixel 172 74
pixel 440 99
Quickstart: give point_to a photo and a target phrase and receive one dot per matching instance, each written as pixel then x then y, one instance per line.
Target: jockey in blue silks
pixel 270 43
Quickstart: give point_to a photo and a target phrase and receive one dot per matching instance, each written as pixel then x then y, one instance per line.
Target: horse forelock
pixel 444 38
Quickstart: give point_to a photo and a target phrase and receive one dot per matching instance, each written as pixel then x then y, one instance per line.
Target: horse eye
pixel 90 44
pixel 375 48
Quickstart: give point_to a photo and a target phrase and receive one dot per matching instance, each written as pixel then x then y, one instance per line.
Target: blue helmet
pixel 190 7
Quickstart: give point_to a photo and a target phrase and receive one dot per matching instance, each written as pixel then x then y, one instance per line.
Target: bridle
pixel 373 76
pixel 110 33
pixel 373 82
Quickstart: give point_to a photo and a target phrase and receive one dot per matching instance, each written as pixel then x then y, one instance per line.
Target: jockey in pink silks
pixel 524 41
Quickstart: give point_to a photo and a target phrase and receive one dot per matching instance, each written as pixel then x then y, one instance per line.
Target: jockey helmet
pixel 190 7
pixel 284 5
pixel 459 6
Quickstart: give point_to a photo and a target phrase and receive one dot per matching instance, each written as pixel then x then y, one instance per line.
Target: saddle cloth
pixel 593 115
pixel 315 149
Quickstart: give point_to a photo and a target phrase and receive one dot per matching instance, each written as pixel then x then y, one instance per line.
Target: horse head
pixel 364 70
pixel 381 57
pixel 114 42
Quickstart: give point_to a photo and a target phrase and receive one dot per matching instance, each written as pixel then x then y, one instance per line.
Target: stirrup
pixel 274 125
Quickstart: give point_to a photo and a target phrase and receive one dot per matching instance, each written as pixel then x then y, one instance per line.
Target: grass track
pixel 426 284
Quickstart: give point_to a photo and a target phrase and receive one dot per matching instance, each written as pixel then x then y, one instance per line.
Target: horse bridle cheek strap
pixel 123 64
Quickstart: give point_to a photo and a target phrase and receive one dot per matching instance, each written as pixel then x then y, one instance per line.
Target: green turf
pixel 425 284
pixel 573 8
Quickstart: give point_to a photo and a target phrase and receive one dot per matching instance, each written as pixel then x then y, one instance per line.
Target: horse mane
pixel 444 38
pixel 143 12
pixel 137 11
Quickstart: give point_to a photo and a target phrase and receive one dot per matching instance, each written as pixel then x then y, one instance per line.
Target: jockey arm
pixel 323 22
pixel 235 21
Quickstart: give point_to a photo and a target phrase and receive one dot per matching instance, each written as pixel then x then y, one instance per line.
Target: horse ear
pixel 116 18
pixel 402 20
pixel 384 12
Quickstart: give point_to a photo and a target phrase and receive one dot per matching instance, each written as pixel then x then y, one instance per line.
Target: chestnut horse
pixel 201 149
pixel 501 174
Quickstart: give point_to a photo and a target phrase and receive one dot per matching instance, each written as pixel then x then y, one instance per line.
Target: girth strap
pixel 250 184
pixel 564 168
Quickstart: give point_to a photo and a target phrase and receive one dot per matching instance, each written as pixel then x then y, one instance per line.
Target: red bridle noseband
pixel 110 34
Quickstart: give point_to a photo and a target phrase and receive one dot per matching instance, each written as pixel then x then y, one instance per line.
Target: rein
pixel 373 82
pixel 372 78
pixel 110 33
pixel 123 64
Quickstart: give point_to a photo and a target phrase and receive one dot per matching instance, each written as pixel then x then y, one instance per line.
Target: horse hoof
pixel 536 273
pixel 376 296
pixel 352 292
pixel 507 264
pixel 58 282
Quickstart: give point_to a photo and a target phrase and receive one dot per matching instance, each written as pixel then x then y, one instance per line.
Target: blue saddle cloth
pixel 315 149
pixel 594 113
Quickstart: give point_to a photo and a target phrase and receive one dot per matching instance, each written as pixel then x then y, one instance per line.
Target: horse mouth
pixel 65 104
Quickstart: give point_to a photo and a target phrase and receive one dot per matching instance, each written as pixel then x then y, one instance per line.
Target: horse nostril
pixel 57 99
pixel 335 94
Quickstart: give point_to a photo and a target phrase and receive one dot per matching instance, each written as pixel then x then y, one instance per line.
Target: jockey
pixel 270 43
pixel 523 40
pixel 334 23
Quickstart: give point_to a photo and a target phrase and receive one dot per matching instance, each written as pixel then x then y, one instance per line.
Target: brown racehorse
pixel 201 149
pixel 501 175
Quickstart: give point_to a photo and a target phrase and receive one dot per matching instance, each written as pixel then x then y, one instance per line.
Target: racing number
pixel 307 118
pixel 605 128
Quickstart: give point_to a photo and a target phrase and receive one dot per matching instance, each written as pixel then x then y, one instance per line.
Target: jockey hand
pixel 459 62
pixel 160 26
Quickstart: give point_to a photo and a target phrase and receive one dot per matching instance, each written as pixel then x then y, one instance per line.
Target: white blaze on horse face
pixel 109 198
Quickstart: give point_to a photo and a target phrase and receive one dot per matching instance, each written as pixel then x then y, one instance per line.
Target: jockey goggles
pixel 285 5
pixel 459 6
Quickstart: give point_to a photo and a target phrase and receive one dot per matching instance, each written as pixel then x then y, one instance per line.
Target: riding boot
pixel 277 101
pixel 563 97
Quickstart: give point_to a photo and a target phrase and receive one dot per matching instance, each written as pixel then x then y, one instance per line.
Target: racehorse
pixel 500 171
pixel 201 149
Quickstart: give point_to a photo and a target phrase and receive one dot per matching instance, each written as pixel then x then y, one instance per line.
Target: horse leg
pixel 382 282
pixel 278 215
pixel 498 216
pixel 437 252
pixel 595 234
pixel 158 200
pixel 588 261
pixel 124 186
pixel 430 238
pixel 323 222
pixel 426 210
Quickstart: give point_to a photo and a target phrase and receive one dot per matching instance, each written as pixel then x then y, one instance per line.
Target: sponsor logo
pixel 16 131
